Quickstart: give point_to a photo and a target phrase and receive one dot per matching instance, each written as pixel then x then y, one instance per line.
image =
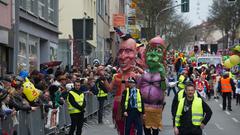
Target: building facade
pixel 6 49
pixel 35 33
pixel 206 37
pixel 103 50
pixel 82 9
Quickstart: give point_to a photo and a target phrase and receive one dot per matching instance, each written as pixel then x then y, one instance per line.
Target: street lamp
pixel 163 10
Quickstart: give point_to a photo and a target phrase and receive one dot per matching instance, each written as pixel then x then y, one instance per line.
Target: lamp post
pixel 84 39
pixel 163 10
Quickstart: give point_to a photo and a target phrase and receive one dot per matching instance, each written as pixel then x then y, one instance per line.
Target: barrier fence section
pixel 40 123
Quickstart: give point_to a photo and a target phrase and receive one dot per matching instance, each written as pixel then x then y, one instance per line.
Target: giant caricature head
pixel 155 55
pixel 127 54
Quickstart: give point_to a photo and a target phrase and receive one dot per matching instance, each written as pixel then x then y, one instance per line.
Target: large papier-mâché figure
pixel 126 57
pixel 152 85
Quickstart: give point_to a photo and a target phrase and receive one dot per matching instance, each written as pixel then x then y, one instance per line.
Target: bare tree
pixel 151 9
pixel 226 17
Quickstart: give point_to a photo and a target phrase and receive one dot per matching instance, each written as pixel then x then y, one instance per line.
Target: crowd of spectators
pixel 52 83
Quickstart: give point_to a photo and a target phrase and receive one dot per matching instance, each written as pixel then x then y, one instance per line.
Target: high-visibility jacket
pixel 181 92
pixel 231 75
pixel 184 60
pixel 101 92
pixel 139 100
pixel 226 85
pixel 180 80
pixel 78 98
pixel 197 112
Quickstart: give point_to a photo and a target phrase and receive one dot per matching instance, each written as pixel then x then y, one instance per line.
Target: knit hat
pixel 3 94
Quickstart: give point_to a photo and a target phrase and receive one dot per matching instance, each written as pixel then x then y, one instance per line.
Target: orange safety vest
pixel 226 85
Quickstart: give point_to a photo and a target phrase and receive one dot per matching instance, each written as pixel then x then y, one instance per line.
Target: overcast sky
pixel 199 11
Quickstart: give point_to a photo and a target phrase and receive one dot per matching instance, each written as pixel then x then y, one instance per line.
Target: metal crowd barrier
pixel 34 123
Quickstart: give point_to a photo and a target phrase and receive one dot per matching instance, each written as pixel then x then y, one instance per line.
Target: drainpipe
pixel 15 29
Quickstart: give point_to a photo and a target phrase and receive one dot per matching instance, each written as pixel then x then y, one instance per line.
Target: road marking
pixel 107 122
pixel 234 119
pixel 216 100
pixel 220 105
pixel 111 126
pixel 204 133
pixel 227 112
pixel 218 126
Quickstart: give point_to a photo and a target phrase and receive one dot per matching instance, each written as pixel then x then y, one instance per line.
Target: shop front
pixel 4 52
pixel 28 52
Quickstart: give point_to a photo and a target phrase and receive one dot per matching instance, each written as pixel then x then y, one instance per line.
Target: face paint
pixel 154 59
pixel 127 54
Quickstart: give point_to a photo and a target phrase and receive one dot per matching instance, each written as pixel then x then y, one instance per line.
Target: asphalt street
pixel 221 123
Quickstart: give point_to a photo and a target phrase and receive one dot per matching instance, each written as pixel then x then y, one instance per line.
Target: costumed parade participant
pixel 126 57
pixel 152 85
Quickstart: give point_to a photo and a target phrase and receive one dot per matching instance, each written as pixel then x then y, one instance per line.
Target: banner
pixel 52 118
pixel 118 20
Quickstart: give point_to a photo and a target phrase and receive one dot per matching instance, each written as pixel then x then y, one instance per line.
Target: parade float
pixel 152 85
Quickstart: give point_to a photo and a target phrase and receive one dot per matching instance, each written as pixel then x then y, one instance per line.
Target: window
pixel 53 51
pixel 33 53
pixel 101 7
pixel 30 5
pixel 51 10
pixel 22 53
pixel 51 3
pixel 21 3
pixel 4 1
pixel 51 15
pixel 41 7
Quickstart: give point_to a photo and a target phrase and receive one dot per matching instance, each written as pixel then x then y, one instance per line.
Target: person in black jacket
pixel 191 115
pixel 76 105
pixel 132 107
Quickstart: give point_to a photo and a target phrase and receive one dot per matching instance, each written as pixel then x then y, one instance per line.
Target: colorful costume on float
pixel 126 57
pixel 152 85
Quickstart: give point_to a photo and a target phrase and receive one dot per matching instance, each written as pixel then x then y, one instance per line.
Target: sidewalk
pixel 93 128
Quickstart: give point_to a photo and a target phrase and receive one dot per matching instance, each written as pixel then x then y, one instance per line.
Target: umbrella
pixel 52 63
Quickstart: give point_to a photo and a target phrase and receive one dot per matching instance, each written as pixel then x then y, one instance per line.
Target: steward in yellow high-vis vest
pixel 197 112
pixel 138 102
pixel 181 84
pixel 101 87
pixel 79 99
pixel 192 114
pixel 76 104
pixel 132 107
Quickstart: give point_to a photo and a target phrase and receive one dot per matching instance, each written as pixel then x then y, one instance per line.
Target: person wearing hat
pixel 192 114
pixel 132 107
pixel 226 86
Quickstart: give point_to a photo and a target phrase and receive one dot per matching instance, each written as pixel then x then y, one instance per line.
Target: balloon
pixel 237 48
pixel 235 59
pixel 228 64
pixel 225 58
pixel 23 73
